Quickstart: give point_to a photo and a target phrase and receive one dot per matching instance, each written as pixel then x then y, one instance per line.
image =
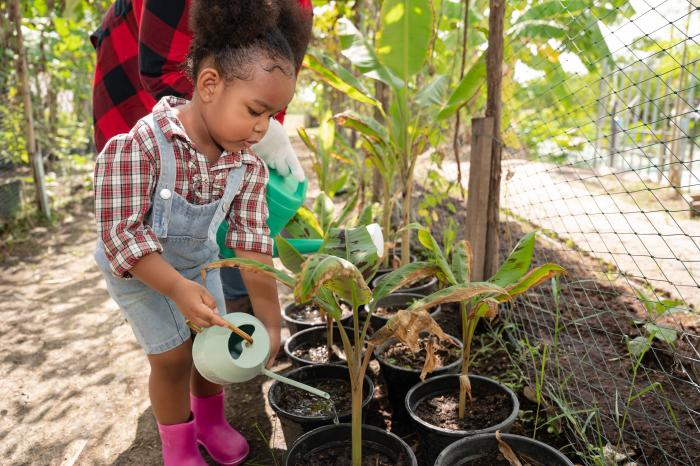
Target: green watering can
pixel 285 195
pixel 237 353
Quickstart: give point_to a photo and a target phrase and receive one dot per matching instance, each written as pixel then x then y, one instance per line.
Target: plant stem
pixel 386 221
pixel 329 336
pixel 465 355
pixel 356 381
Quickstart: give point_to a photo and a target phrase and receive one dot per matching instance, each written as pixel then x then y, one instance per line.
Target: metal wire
pixel 606 165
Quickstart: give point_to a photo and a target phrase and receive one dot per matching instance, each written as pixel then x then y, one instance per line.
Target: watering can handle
pixel 230 326
pixel 294 383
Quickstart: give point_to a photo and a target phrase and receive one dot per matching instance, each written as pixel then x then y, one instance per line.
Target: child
pixel 161 192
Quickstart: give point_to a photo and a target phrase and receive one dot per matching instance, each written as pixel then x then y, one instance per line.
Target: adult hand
pixel 196 303
pixel 277 152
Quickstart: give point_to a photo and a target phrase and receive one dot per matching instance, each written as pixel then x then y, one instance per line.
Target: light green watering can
pixel 237 353
pixel 284 197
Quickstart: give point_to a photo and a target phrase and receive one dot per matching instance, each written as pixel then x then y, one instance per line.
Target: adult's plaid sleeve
pixel 164 40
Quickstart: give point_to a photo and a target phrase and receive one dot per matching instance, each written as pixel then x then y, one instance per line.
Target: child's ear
pixel 207 82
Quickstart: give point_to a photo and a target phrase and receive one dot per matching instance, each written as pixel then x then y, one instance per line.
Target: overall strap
pixel 235 178
pixel 162 201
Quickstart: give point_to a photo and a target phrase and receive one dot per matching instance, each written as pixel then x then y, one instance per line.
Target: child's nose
pixel 261 126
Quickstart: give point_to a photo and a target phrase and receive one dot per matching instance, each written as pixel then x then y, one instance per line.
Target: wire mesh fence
pixel 604 160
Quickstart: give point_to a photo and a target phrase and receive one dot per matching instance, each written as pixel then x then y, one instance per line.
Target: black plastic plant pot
pixel 424 289
pixel 374 440
pixel 485 446
pixel 400 379
pixel 434 438
pixel 313 336
pixel 295 325
pixel 395 299
pixel 295 425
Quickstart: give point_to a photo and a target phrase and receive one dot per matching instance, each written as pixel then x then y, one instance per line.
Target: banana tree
pixel 408 122
pixel 476 299
pixel 339 271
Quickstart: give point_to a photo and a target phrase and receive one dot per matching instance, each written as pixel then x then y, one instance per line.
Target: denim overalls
pixel 187 233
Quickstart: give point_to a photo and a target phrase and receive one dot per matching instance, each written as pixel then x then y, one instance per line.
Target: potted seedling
pixel 463 395
pixel 337 272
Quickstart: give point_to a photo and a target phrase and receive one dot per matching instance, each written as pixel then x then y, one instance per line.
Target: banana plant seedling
pixel 476 299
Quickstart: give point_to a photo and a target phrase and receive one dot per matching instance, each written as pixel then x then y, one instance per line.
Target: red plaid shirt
pixel 141 46
pixel 126 175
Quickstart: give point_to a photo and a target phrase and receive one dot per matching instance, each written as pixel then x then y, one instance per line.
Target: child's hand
pixel 196 303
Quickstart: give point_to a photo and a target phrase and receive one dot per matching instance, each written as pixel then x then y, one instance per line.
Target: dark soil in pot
pixel 300 411
pixel 482 450
pixel 331 446
pixel 302 316
pixel 433 407
pixel 401 368
pixel 309 347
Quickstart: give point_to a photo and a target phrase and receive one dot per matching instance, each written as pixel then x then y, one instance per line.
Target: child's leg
pixel 201 387
pixel 169 384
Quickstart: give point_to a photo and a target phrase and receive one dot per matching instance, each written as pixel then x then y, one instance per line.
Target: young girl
pixel 161 192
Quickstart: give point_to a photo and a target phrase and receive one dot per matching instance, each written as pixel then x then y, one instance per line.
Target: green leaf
pixel 365 217
pixel 326 301
pixel 404 275
pixel 460 293
pixel 467 87
pixel 304 136
pixel 664 334
pixel 348 208
pixel 363 124
pixel 326 134
pixel 290 257
pixel 517 263
pixel 251 265
pixel 462 258
pixel 544 10
pixel 362 55
pixel 333 273
pixel 404 36
pixel 355 245
pixel 324 210
pixel 433 93
pixel 638 346
pixel 534 278
pixel 338 77
pixel 434 250
pixel 304 225
pixel 336 185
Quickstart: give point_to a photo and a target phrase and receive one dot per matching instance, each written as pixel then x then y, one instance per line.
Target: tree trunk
pixel 494 63
pixel 32 149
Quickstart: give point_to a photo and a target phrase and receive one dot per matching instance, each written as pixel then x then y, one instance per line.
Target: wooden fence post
pixel 483 203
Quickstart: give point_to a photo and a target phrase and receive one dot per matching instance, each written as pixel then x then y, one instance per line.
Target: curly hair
pixel 236 34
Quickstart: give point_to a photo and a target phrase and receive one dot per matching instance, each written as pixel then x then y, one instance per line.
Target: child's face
pixel 238 113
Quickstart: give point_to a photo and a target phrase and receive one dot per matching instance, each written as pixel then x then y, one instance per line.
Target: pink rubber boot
pixel 224 443
pixel 180 445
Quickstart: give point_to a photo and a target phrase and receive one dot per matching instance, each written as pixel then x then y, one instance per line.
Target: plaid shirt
pixel 141 46
pixel 126 175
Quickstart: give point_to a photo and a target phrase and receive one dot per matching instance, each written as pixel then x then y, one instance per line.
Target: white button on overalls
pixel 165 194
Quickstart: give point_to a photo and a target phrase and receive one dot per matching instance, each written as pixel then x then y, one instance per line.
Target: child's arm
pixel 192 299
pixel 263 296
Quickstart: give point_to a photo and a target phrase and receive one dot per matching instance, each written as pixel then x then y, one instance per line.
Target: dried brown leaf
pixel 506 451
pixel 465 385
pixel 406 327
pixel 430 359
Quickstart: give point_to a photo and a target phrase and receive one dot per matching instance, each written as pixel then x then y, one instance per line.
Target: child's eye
pixel 253 112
